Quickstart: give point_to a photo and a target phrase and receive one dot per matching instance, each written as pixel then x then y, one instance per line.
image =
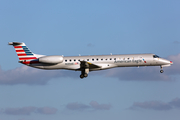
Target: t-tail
pixel 24 53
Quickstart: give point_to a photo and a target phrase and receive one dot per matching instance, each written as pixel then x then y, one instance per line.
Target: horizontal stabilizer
pixel 14 43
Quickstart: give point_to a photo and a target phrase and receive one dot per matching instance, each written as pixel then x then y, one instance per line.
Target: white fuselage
pixel 106 62
pixel 86 63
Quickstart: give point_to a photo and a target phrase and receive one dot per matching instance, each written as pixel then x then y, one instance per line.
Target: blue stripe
pixel 24 47
pixel 28 52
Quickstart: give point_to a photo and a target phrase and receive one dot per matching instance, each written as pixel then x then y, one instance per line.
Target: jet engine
pixel 51 59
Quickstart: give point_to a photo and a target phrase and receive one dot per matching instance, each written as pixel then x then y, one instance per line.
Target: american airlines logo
pixel 129 61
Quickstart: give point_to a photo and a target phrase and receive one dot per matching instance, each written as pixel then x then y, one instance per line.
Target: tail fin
pixel 22 51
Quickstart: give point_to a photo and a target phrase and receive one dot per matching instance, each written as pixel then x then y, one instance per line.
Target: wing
pixel 92 66
pixel 85 64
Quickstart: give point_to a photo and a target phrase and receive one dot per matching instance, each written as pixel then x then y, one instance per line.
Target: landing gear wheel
pixel 161 71
pixel 81 76
pixel 85 74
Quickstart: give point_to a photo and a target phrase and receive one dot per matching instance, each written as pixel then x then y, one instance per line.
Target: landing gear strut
pixel 161 71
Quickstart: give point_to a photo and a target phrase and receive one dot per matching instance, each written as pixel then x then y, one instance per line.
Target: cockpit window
pixel 156 56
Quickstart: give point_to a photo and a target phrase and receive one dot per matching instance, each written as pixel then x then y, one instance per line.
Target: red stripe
pixel 19 50
pixel 21 54
pixel 28 58
pixel 17 46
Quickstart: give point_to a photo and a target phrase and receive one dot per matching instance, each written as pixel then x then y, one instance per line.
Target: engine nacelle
pixel 51 59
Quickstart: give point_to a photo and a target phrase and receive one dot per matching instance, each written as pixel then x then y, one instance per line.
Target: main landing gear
pixel 84 69
pixel 83 75
pixel 161 71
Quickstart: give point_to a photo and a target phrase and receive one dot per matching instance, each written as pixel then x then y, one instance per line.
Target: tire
pixel 81 76
pixel 161 71
pixel 85 74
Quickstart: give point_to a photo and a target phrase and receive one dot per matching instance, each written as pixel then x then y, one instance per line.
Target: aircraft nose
pixel 164 61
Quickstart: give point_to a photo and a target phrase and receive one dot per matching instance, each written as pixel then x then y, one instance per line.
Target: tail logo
pixel 24 53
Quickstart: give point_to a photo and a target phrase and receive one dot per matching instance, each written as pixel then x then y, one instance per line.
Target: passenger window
pixel 65 60
pixel 114 58
pixel 123 58
pixel 74 59
pixel 97 59
pixel 101 59
pixel 110 59
pixel 79 60
pixel 87 59
pixel 106 58
pixel 92 59
pixel 128 58
pixel 70 60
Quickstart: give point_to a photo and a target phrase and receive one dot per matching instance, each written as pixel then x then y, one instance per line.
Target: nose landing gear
pixel 161 71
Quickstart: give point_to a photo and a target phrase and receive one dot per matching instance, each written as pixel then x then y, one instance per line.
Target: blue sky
pixel 90 28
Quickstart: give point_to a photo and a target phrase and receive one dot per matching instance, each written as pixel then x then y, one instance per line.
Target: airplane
pixel 85 64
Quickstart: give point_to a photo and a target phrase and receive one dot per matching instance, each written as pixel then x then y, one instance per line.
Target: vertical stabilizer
pixel 23 52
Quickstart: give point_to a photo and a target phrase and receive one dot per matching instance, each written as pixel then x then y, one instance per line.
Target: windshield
pixel 156 56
